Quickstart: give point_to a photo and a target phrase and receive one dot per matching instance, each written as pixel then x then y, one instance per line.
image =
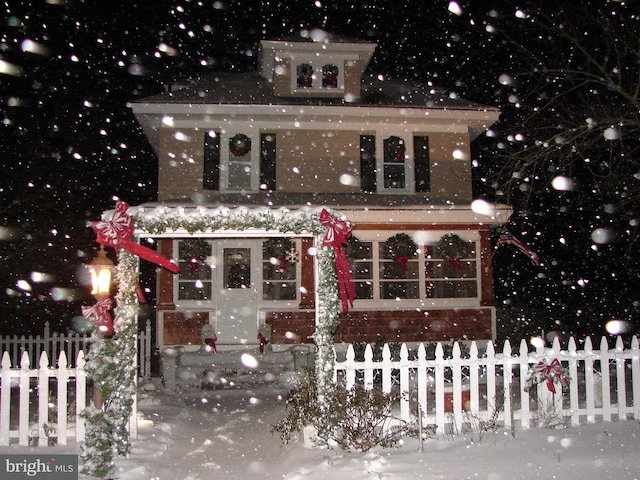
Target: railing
pixel 511 389
pixel 71 344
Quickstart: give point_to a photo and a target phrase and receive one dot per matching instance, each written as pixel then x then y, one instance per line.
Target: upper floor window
pixel 394 167
pixel 233 162
pixel 395 170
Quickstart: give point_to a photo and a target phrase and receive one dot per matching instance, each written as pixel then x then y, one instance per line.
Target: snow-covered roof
pixel 232 88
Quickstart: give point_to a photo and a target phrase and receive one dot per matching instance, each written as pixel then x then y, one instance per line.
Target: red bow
pixel 551 373
pixel 338 232
pixel 402 261
pixel 100 315
pixel 117 233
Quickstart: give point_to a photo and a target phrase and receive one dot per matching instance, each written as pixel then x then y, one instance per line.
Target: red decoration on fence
pixel 117 233
pixel 100 315
pixel 551 373
pixel 338 232
pixel 264 341
pixel 210 342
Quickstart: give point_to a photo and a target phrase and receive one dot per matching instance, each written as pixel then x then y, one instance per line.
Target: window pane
pixel 237 267
pixel 394 176
pixel 194 290
pixel 330 76
pixel 239 175
pixel 364 290
pixel 391 290
pixel 279 290
pixel 304 74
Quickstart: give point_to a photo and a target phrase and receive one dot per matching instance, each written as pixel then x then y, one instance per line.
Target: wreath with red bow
pixel 240 145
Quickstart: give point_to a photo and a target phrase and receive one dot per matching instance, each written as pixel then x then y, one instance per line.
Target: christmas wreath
pixel 240 145
pixel 452 247
pixel 282 249
pixel 400 248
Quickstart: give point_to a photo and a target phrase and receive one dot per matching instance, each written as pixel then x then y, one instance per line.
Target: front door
pixel 238 286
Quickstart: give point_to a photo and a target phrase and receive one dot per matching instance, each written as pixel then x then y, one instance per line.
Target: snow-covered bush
pixel 355 419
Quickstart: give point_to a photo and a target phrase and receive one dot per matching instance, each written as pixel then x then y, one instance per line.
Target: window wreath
pixel 400 248
pixel 355 250
pixel 452 247
pixel 240 145
pixel 282 249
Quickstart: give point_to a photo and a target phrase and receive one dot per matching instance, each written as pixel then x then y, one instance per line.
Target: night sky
pixel 70 145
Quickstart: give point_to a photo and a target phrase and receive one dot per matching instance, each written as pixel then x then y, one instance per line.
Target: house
pixel 310 129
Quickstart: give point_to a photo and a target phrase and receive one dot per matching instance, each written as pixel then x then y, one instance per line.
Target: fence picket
pixel 43 399
pixel 23 413
pixel 635 376
pixel 5 399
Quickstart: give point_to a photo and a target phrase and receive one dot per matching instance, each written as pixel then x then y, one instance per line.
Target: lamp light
pixel 101 269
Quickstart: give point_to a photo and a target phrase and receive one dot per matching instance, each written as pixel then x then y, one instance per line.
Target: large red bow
pixel 338 232
pixel 100 315
pixel 117 232
pixel 552 373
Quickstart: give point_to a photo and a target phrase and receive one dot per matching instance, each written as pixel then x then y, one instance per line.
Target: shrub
pixel 355 419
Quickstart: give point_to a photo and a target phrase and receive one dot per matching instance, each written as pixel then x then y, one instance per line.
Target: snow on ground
pixel 226 434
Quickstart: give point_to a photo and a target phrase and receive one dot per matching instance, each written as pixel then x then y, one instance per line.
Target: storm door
pixel 238 283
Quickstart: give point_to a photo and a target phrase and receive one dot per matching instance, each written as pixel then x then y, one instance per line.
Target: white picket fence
pixel 71 344
pixel 602 385
pixel 42 406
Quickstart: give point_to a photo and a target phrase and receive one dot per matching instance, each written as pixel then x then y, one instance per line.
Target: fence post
pixel 81 396
pixel 43 399
pixel 525 412
pixel 368 367
pixel 405 411
pixel 574 403
pixel 23 413
pixel 5 400
pixel 422 383
pixel 606 379
pixel 439 372
pixel 386 369
pixel 507 373
pixel 62 374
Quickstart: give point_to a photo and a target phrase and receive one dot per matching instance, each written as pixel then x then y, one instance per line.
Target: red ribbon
pixel 402 261
pixel 338 232
pixel 100 315
pixel 551 373
pixel 117 232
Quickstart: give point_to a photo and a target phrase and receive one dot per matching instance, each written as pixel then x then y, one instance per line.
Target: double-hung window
pixel 195 278
pixel 394 164
pixel 318 75
pixel 239 162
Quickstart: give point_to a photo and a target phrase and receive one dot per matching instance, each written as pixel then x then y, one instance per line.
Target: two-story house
pixel 309 130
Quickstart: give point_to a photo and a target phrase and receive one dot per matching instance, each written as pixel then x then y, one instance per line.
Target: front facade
pixel 305 132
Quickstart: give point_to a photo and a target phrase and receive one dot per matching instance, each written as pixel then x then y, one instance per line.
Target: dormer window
pixel 318 76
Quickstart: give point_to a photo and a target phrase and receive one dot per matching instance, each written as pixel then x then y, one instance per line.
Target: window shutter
pixel 268 161
pixel 211 176
pixel 368 163
pixel 421 165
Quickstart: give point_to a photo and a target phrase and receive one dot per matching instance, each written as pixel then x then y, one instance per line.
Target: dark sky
pixel 70 144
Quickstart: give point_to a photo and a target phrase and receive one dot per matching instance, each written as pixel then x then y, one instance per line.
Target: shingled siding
pixel 391 326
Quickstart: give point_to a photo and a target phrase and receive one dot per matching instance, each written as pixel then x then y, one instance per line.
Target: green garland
pixel 452 246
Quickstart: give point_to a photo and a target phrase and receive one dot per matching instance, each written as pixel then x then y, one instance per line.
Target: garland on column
pixel 111 367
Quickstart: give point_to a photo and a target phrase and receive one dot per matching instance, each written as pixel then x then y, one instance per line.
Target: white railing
pixel 71 344
pixel 449 393
pixel 42 406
